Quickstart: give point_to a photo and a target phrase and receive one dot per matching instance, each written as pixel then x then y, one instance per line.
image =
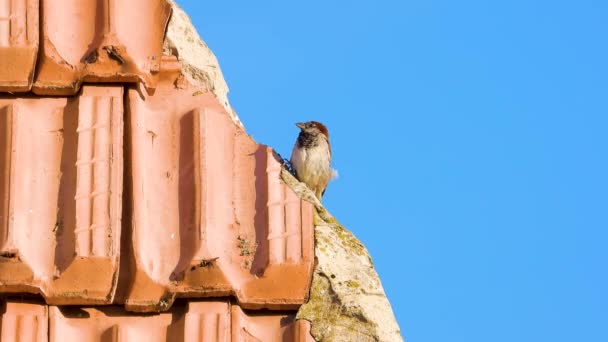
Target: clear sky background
pixel 471 139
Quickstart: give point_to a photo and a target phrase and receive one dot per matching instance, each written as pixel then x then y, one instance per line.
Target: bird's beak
pixel 300 125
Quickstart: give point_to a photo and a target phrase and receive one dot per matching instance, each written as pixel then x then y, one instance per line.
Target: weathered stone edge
pixel 199 65
pixel 347 301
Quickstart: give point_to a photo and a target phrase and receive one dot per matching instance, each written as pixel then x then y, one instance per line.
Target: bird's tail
pixel 334 174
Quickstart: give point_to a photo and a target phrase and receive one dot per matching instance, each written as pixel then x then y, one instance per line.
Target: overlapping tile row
pixel 200 321
pixel 60 195
pixel 18 44
pixel 135 192
pixel 210 214
pixel 107 41
pixel 206 213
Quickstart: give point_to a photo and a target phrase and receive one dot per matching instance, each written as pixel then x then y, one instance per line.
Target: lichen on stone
pixel 347 301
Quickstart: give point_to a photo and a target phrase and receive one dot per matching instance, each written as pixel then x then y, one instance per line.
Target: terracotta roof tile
pixel 206 321
pixel 132 186
pixel 248 327
pixel 23 322
pixel 211 216
pixel 61 186
pixel 94 41
pixel 18 44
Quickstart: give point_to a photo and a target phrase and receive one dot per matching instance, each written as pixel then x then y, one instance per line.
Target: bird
pixel 311 157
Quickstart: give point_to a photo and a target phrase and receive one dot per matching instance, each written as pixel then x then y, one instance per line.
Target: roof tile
pixel 211 216
pixel 60 190
pixel 206 321
pixel 103 44
pixel 23 322
pixel 248 327
pixel 202 211
pixel 18 44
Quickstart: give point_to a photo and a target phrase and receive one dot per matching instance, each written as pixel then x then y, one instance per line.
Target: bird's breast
pixel 312 164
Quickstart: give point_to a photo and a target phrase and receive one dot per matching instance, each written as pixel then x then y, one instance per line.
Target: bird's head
pixel 313 128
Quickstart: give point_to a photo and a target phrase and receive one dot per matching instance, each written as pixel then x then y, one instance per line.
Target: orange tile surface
pixel 207 214
pixel 18 44
pixel 107 41
pixel 200 321
pixel 248 327
pixel 60 195
pixel 23 322
pixel 124 188
pixel 210 214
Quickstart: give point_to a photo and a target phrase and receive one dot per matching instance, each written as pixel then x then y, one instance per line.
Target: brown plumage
pixel 311 156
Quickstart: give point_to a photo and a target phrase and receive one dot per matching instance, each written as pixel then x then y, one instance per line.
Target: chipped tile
pixel 211 216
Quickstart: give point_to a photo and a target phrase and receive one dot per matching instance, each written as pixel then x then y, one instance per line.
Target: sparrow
pixel 311 157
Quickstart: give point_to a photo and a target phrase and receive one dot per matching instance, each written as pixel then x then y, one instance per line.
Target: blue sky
pixel 471 139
